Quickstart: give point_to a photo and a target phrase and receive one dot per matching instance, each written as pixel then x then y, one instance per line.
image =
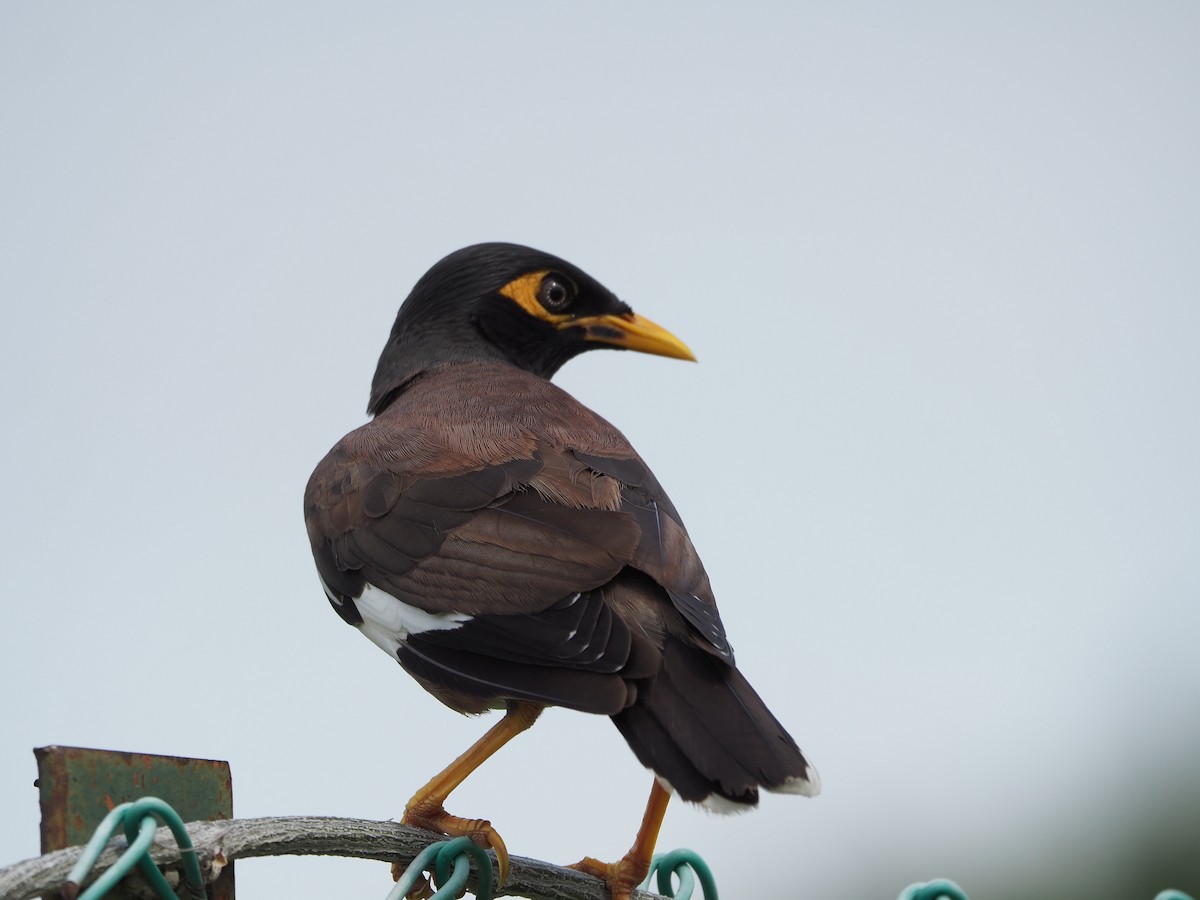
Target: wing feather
pixel 569 561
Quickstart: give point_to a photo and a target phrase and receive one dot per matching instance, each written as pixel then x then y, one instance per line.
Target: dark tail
pixel 701 727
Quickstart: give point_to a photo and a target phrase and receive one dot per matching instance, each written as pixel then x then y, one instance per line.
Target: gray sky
pixel 939 263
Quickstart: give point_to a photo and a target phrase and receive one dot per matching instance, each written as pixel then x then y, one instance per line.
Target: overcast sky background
pixel 940 263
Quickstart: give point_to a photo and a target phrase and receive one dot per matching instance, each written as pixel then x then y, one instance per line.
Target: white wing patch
pixel 387 622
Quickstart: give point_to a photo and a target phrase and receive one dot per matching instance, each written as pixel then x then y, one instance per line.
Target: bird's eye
pixel 555 293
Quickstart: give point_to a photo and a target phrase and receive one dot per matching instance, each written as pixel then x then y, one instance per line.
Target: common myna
pixel 510 549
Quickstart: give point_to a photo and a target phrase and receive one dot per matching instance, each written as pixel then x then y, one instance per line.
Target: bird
pixel 511 550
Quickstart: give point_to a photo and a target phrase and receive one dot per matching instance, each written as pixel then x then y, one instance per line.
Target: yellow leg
pixel 425 809
pixel 628 872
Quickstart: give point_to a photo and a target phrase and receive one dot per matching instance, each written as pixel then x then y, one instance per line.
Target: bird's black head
pixel 512 303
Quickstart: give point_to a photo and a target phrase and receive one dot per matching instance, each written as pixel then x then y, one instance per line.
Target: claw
pixel 630 870
pixel 621 876
pixel 432 817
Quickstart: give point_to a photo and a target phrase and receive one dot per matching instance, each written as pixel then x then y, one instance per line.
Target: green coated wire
pixel 95 846
pixel 408 880
pixel 450 862
pixel 140 825
pixel 941 889
pixel 938 889
pixel 686 864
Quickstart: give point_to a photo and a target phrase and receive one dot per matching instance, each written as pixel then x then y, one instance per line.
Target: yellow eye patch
pixel 627 330
pixel 524 290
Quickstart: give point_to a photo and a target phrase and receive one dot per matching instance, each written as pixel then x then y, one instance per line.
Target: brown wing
pixel 664 550
pixel 535 551
pixel 481 542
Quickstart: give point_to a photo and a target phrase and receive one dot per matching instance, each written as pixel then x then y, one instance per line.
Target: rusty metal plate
pixel 80 786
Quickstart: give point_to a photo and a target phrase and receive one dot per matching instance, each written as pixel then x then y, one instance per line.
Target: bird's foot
pixel 621 876
pixel 432 817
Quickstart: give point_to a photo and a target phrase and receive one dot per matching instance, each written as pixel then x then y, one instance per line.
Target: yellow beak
pixel 631 332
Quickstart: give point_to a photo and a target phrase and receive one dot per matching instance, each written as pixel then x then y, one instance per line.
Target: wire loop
pixel 139 820
pixel 938 889
pixel 687 866
pixel 449 862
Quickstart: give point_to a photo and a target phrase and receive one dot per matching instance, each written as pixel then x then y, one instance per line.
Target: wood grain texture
pixel 218 843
